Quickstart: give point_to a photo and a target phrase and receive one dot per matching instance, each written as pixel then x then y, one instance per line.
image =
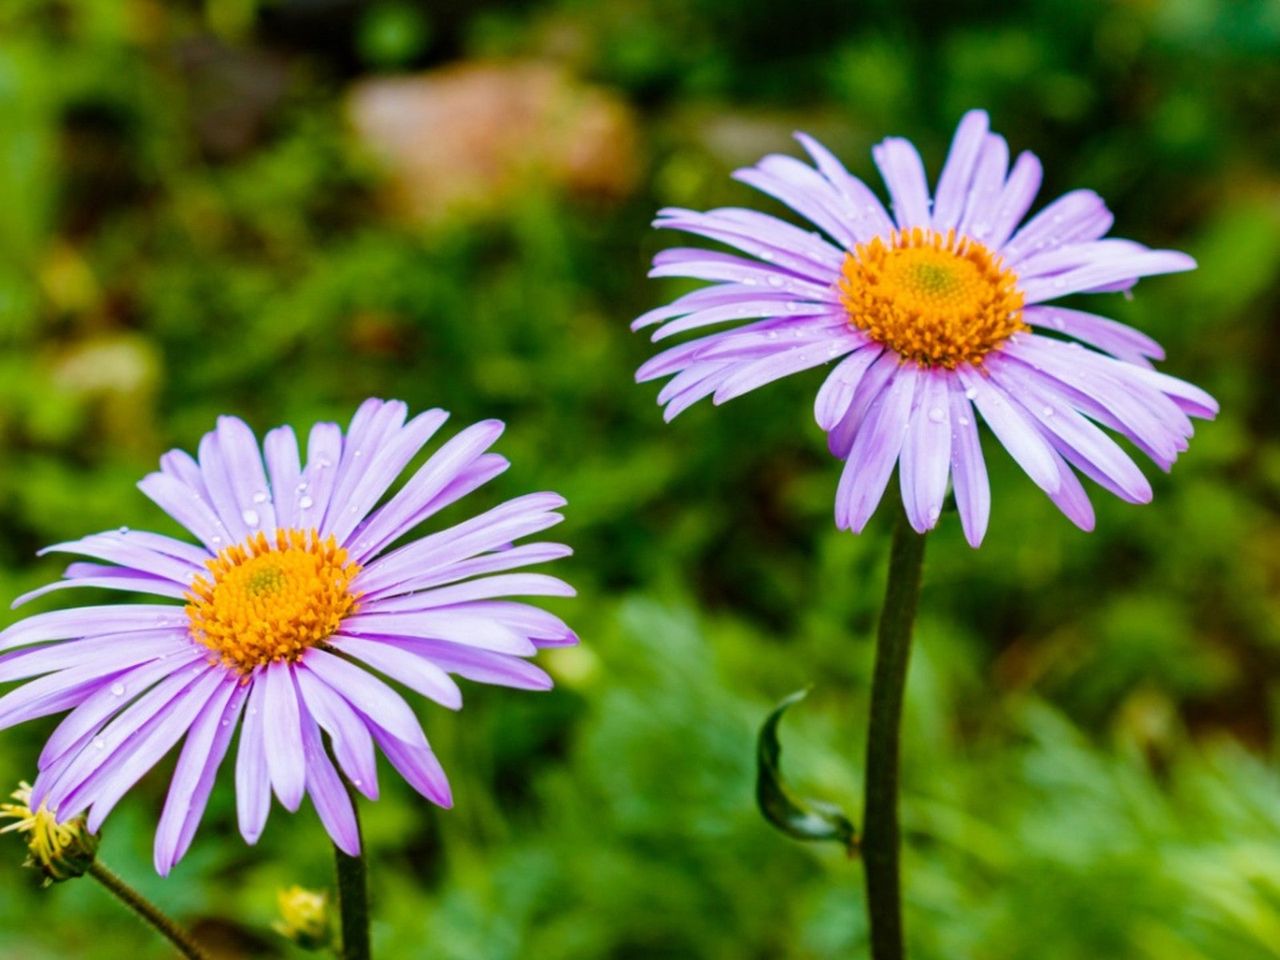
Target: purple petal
pixel 986 187
pixel 869 388
pixel 253 780
pixel 186 506
pixel 1014 200
pixel 414 672
pixel 129 581
pixel 1112 269
pixel 926 452
pixel 875 451
pixel 837 390
pixel 968 469
pixel 749 376
pixel 324 452
pixel 482 666
pixel 92 621
pixel 1073 217
pixel 284 467
pixel 112 652
pixel 194 775
pixel 327 791
pixel 1117 339
pixel 351 740
pixel 957 172
pixel 804 190
pixel 903 173
pixel 447 624
pixel 866 215
pixel 178 562
pixel 1014 431
pixel 281 735
pixel 365 692
pixel 248 481
pixel 417 764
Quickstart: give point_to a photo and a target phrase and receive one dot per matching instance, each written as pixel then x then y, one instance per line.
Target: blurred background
pixel 276 208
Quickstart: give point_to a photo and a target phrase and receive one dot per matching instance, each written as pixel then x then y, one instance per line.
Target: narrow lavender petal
pixel 738 275
pixel 281 735
pixel 968 468
pixel 1057 417
pixel 374 424
pixel 481 666
pixel 1070 497
pixel 986 187
pixel 1014 431
pixel 92 621
pixel 1073 217
pixel 114 651
pixel 442 625
pixel 504 524
pixel 158 738
pixel 757 373
pixel 483 469
pixel 324 452
pixel 110 699
pixel 187 507
pixel 435 575
pixel 766 238
pixel 128 581
pixel 903 172
pixel 875 452
pixel 416 762
pixel 327 791
pixel 414 672
pixel 284 471
pixel 182 467
pixel 253 780
pixel 50 695
pixel 1072 256
pixel 353 501
pixel 809 195
pixel 430 479
pixel 222 491
pixel 872 384
pixel 193 777
pixel 242 459
pixel 693 385
pixel 128 550
pixel 116 743
pixel 1109 270
pixel 350 738
pixel 363 691
pixel 836 393
pixel 957 172
pixel 765 305
pixel 926 452
pixel 1015 199
pixel 1117 339
pixel 1188 397
pixel 501 585
pixel 867 217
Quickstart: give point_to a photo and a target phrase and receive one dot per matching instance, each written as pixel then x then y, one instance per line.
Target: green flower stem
pixel 148 911
pixel 880 811
pixel 353 897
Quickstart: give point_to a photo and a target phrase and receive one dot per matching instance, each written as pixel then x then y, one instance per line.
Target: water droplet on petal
pixel 250 517
pixel 964 421
pixel 260 497
pixel 305 503
pixel 775 280
pixel 302 487
pixel 936 414
pixel 123 530
pixel 1047 411
pixel 971 393
pixel 117 689
pixel 99 743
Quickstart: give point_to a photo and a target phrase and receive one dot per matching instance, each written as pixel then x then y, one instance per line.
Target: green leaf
pixel 800 819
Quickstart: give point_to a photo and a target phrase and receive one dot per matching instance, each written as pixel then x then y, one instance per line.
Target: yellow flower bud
pixel 60 851
pixel 304 917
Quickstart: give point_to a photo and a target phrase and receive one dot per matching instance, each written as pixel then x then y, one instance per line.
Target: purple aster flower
pixel 937 315
pixel 287 611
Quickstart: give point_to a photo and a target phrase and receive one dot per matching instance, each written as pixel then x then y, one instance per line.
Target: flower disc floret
pixel 933 298
pixel 270 600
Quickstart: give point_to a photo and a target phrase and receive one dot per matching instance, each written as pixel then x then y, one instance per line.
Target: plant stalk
pixel 880 834
pixel 353 897
pixel 148 911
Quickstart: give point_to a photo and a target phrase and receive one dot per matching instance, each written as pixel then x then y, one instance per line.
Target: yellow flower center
pixel 61 851
pixel 268 601
pixel 930 297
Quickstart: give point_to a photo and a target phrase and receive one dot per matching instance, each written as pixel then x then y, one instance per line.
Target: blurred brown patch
pixel 473 135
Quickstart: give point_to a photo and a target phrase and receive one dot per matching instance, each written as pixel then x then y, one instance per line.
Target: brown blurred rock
pixel 471 135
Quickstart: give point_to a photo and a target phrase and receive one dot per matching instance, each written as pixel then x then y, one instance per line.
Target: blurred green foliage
pixel 187 227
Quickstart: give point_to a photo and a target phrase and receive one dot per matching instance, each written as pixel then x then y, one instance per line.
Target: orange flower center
pixel 932 298
pixel 267 601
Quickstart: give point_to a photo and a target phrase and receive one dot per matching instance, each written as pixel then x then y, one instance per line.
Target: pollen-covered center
pixel 266 599
pixel 937 299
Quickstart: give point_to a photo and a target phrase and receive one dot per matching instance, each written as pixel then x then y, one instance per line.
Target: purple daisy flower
pixel 292 603
pixel 937 315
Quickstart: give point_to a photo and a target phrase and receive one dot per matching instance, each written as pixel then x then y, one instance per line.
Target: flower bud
pixel 60 851
pixel 304 917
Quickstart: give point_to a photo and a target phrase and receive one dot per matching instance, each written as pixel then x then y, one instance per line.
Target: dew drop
pixel 324 463
pixel 305 503
pixel 936 414
pixel 964 421
pixel 971 393
pixel 117 689
pixel 1047 411
pixel 99 743
pixel 260 497
pixel 250 517
pixel 775 280
pixel 358 454
pixel 123 530
pixel 302 487
pixel 215 539
pixel 356 783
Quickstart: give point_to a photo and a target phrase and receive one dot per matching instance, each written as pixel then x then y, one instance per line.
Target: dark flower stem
pixel 880 839
pixel 148 911
pixel 353 897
